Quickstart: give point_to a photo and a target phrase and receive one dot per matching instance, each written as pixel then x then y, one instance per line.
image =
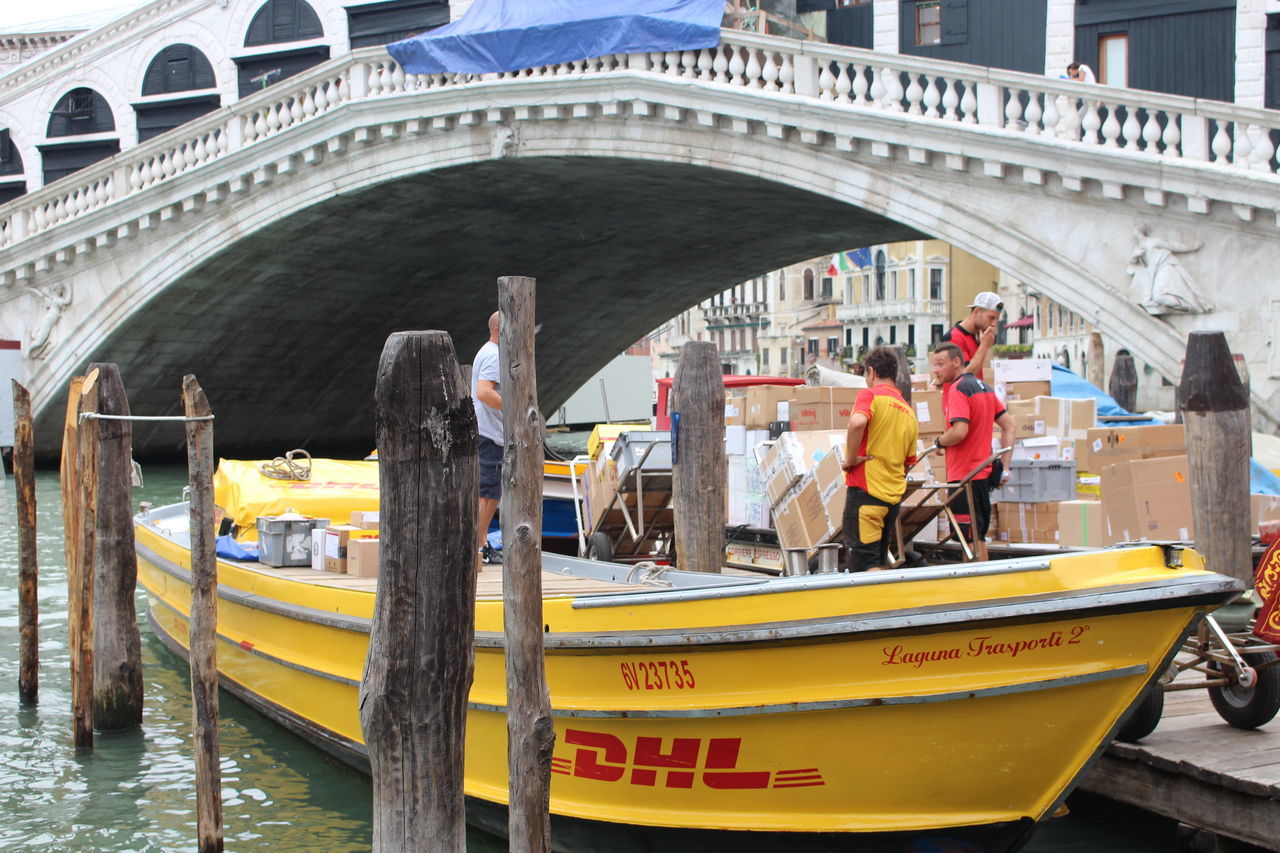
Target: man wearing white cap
pixel 976 333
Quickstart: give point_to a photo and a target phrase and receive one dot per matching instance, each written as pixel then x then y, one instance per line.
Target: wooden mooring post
pixel 24 480
pixel 1123 387
pixel 530 732
pixel 117 646
pixel 413 697
pixel 1215 406
pixel 80 629
pixel 698 473
pixel 203 620
pixel 902 379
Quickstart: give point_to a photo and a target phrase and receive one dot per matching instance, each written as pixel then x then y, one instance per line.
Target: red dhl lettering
pixel 678 762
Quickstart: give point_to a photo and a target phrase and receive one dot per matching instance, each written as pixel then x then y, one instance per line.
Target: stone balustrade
pixel 1166 127
pixel 893 308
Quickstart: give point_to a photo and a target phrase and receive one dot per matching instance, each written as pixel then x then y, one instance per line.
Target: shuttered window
pixel 178 68
pixel 80 111
pixel 281 21
pixel 383 23
pixel 10 159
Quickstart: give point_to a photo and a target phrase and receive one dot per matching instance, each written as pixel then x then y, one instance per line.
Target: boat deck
pixel 488 586
pixel 1200 771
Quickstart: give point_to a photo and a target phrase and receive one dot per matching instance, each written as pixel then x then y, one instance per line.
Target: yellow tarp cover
pixel 337 488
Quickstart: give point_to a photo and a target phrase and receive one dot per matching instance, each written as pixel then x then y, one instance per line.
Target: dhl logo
pixel 606 758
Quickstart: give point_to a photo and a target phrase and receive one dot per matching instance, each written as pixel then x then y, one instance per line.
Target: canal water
pixel 135 791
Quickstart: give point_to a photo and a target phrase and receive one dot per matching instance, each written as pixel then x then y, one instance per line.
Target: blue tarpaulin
pixel 508 35
pixel 1262 481
pixel 1064 383
pixel 227 546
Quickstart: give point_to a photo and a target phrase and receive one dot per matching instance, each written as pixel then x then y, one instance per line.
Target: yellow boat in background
pixel 898 710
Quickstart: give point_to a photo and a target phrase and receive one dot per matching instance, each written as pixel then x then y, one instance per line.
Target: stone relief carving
pixel 56 298
pixel 503 143
pixel 1158 279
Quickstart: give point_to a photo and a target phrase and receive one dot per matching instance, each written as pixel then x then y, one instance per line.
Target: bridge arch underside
pixel 284 326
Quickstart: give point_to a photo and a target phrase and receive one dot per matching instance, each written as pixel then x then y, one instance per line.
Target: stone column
pixel 885 27
pixel 1059 36
pixel 1251 52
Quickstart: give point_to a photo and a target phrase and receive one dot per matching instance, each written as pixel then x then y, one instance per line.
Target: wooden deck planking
pixel 488 582
pixel 1198 770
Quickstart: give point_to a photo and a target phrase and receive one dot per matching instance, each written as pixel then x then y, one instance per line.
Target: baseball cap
pixel 987 300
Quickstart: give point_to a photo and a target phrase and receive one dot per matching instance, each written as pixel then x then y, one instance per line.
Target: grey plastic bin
pixel 286 541
pixel 1038 481
pixel 630 446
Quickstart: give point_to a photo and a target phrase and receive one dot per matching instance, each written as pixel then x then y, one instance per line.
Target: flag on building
pixel 849 261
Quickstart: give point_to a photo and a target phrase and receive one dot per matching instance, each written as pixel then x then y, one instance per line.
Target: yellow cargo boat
pixel 898 710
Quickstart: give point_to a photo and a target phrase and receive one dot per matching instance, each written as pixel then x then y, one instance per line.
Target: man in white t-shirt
pixel 486 375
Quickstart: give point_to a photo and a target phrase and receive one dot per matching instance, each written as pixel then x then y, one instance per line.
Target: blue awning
pixel 508 35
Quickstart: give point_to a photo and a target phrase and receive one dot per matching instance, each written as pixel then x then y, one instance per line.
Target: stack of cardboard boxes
pixel 350 549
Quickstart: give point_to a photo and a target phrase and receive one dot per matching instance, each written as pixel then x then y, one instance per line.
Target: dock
pixel 1199 771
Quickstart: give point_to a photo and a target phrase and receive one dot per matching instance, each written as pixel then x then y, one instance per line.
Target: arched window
pixel 80 111
pixel 10 159
pixel 808 284
pixel 283 20
pixel 880 265
pixel 178 68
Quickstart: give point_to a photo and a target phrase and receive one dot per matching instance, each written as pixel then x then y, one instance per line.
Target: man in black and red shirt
pixel 971 410
pixel 976 333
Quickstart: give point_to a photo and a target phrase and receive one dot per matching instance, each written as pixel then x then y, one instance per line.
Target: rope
pixel 285 468
pixel 650 574
pixel 94 416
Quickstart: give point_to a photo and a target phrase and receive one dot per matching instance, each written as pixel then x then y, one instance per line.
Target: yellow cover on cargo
pixel 336 488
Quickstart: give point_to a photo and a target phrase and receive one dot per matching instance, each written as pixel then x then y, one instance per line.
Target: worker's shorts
pixel 868 524
pixel 977 516
pixel 490 453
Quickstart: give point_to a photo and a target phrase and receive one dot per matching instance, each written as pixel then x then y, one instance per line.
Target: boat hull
pixel 842 720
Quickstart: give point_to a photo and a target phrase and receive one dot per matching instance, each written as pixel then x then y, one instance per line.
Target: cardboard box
pixel 1148 499
pixel 833 500
pixel 1162 440
pixel 1263 509
pixel 1111 445
pixel 337 541
pixel 1020 407
pixel 928 406
pixel 317 549
pixel 1006 370
pixel 364 520
pixel 821 407
pixel 921 382
pixel 735 410
pixel 762 404
pixel 787 519
pixel 795 454
pixel 1027 426
pixel 1007 391
pixel 1081 524
pixel 735 440
pixel 1047 447
pixel 813 514
pixel 601 479
pixel 362 558
pixel 1065 417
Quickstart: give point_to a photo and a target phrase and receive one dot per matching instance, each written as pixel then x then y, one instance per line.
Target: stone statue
pixel 1159 281
pixel 56 299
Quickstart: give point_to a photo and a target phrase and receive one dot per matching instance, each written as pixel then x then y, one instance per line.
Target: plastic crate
pixel 286 541
pixel 1038 481
pixel 630 447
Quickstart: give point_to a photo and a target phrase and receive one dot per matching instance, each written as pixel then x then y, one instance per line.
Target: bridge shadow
pixel 284 326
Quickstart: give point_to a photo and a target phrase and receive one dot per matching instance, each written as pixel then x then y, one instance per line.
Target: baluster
pixel 769 73
pixel 309 108
pixel 1221 144
pixel 1243 147
pixel 295 109
pixel 1172 136
pixel 932 97
pixel 1051 115
pixel 135 177
pixel 260 126
pixel 321 102
pixel 1132 130
pixel 673 64
pixel 860 85
pixel 655 62
pixel 147 172
pixel 689 63
pixel 1262 150
pixel 893 90
pixel 721 64
pixel 171 162
pixel 1090 122
pixel 950 98
pixel 736 67
pixel 969 102
pixel 397 78
pixel 1013 110
pixel 372 79
pixel 843 83
pixel 387 78
pixel 76 203
pixel 1031 115
pixel 1111 128
pixel 188 155
pixel 1151 132
pixel 59 210
pixel 706 64
pixel 914 94
pixel 104 190
pixel 40 217
pixel 877 86
pixel 753 68
pixel 787 75
pixel 826 83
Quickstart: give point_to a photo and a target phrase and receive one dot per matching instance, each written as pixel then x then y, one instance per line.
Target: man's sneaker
pixel 491 556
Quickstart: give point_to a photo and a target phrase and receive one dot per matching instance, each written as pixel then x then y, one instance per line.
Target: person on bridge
pixel 880 447
pixel 971 411
pixel 486 391
pixel 976 333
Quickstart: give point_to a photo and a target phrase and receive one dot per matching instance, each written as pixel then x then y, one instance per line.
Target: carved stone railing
pixel 892 308
pixel 1236 139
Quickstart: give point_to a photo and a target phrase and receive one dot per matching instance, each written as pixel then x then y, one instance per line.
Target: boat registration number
pixel 657 675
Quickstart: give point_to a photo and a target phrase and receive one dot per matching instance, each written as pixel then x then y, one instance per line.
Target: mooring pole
pixel 24 480
pixel 69 477
pixel 1215 407
pixel 530 735
pixel 80 633
pixel 117 647
pixel 1123 387
pixel 203 620
pixel 902 379
pixel 1096 360
pixel 413 697
pixel 699 473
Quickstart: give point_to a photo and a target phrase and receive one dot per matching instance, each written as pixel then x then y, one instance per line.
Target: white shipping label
pixel 922 412
pixel 1097 445
pixel 298 545
pixel 1184 534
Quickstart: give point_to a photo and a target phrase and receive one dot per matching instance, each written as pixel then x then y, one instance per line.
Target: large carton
pixel 795 454
pixel 1027 426
pixel 365 520
pixel 1081 524
pixel 1148 499
pixel 1014 391
pixel 1108 446
pixel 601 479
pixel 1067 418
pixel 1026 522
pixel 762 404
pixel 928 406
pixel 821 407
pixel 362 558
pixel 1006 370
pixel 1263 509
pixel 337 542
pixel 735 409
pixel 1046 447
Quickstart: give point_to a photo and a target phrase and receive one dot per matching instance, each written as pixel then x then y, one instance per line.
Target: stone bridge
pixel 271 246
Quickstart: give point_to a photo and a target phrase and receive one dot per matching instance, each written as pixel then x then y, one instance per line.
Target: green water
pixel 134 792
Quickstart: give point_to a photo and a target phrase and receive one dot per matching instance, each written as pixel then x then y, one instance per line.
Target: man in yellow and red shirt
pixel 879 449
pixel 972 411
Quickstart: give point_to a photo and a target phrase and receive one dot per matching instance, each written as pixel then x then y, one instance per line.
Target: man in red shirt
pixel 976 333
pixel 972 410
